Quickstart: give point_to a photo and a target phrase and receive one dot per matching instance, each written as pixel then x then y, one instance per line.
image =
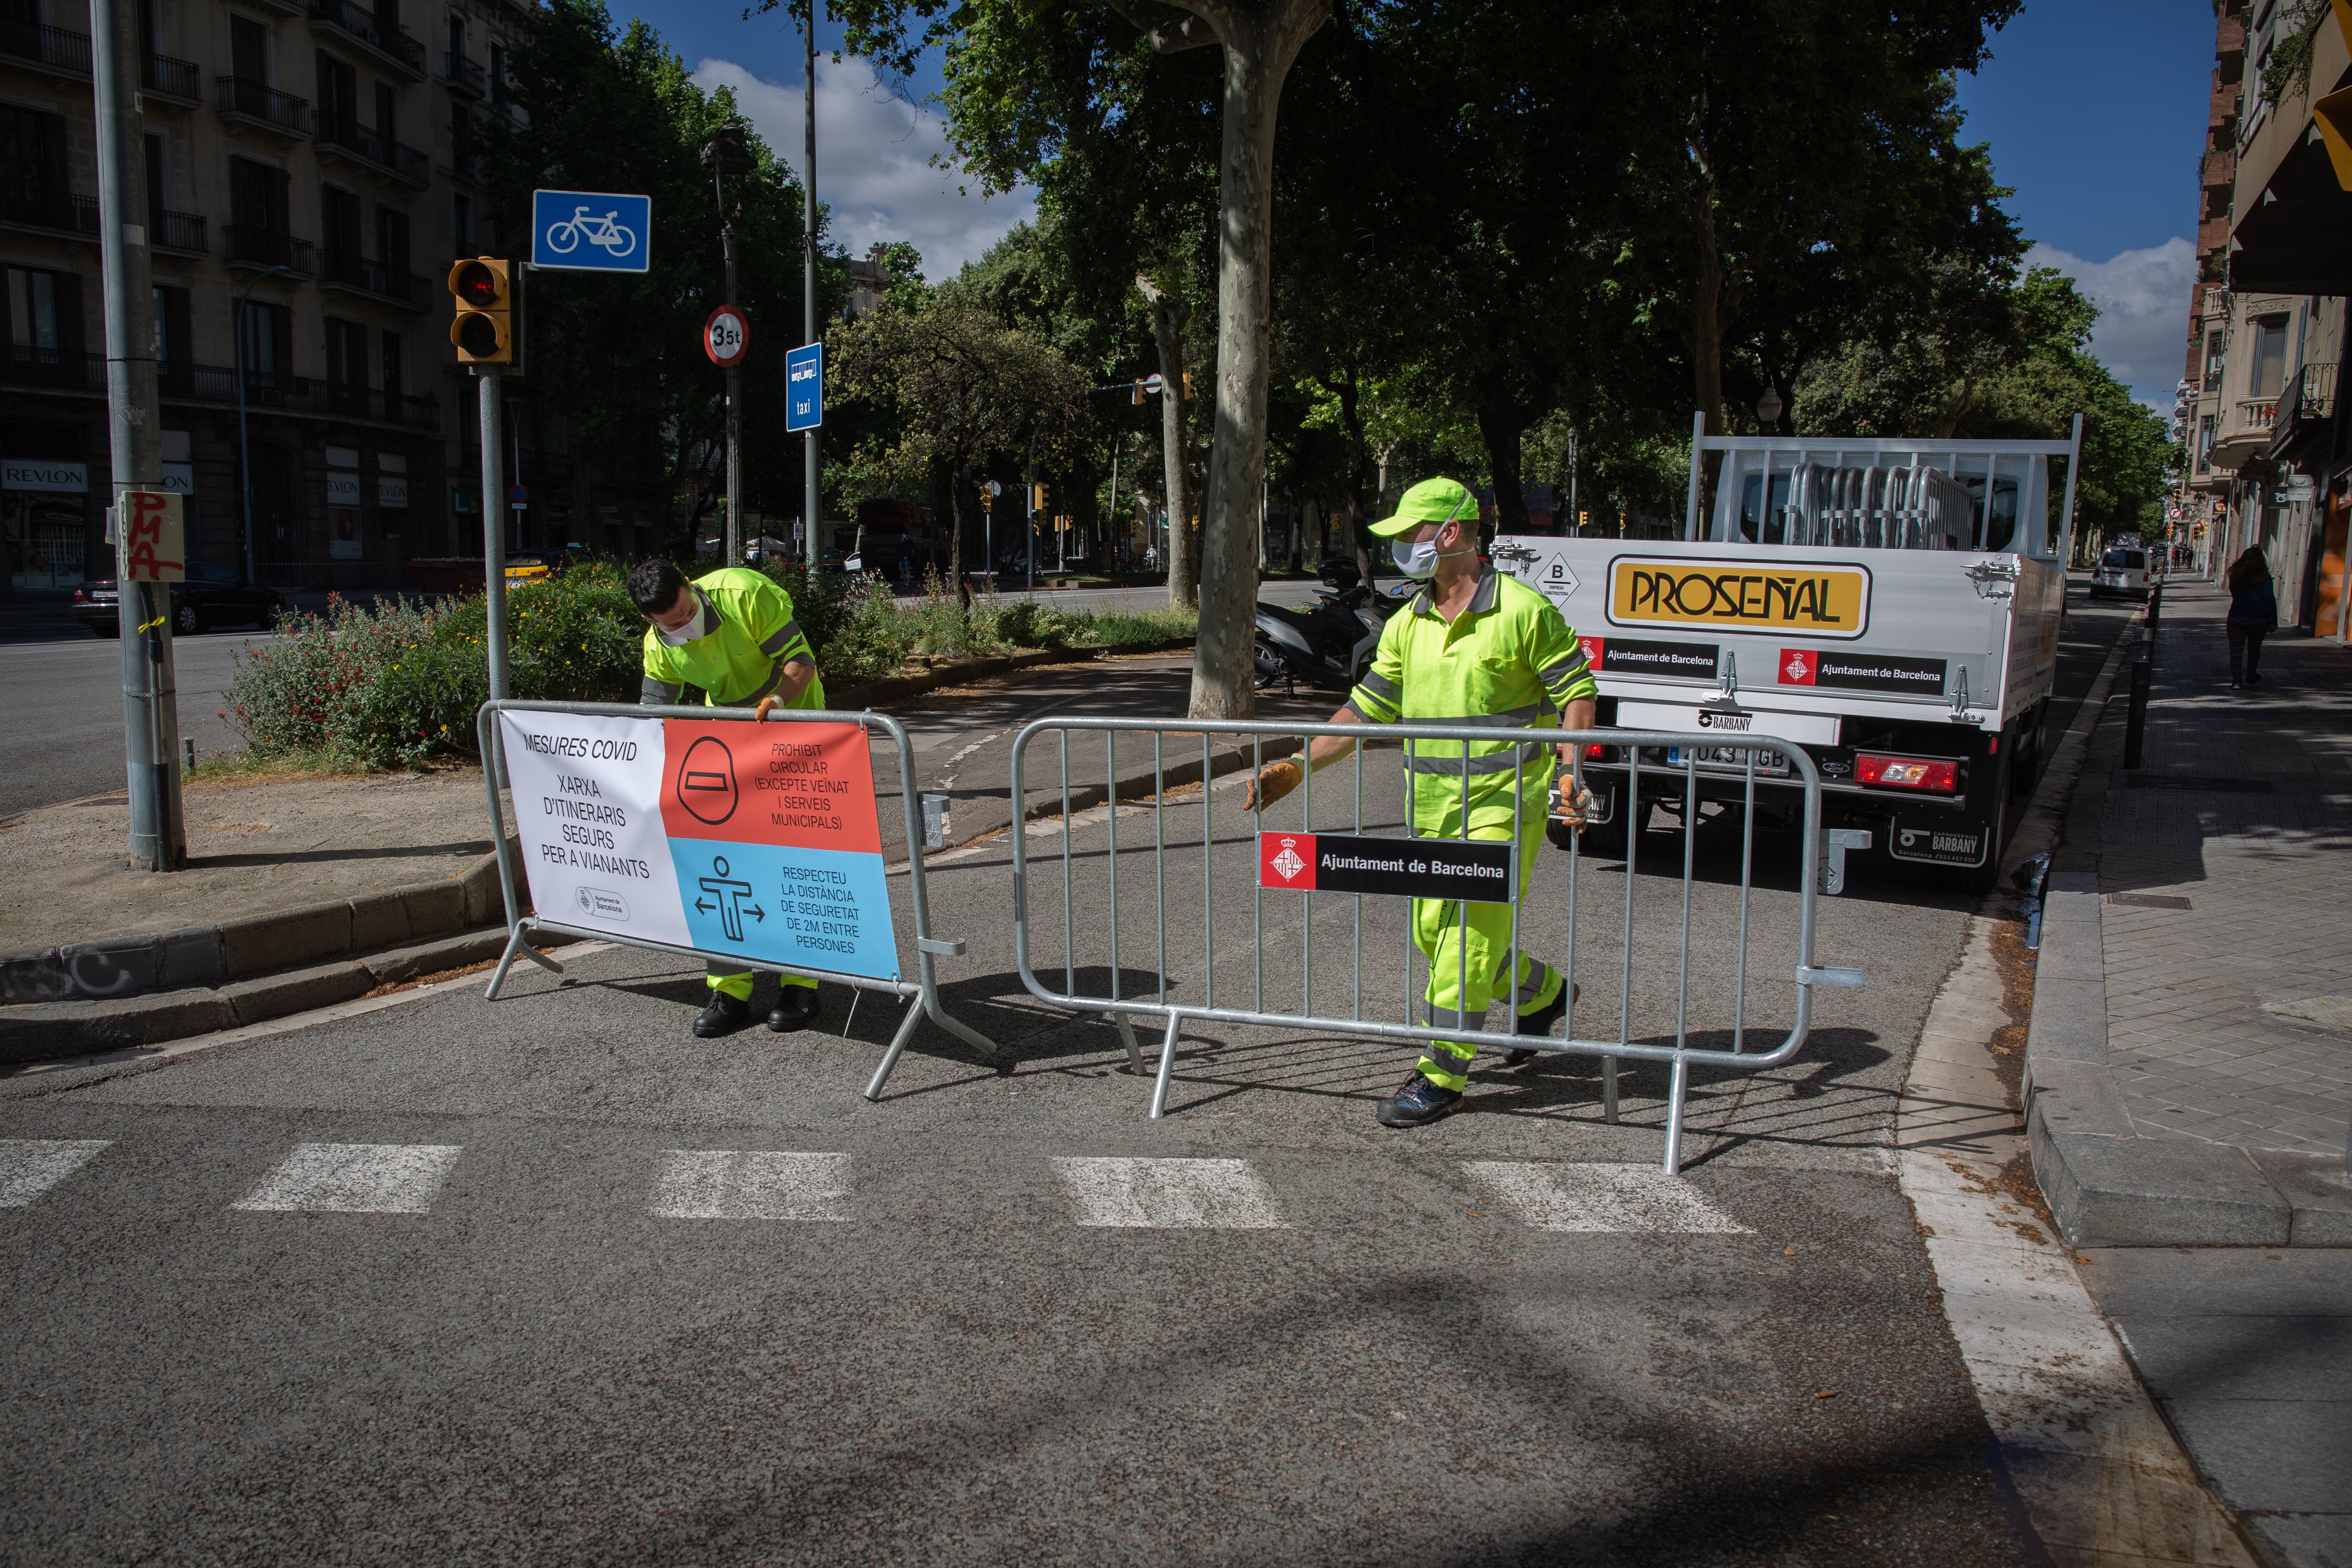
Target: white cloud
pixel 873 163
pixel 2142 335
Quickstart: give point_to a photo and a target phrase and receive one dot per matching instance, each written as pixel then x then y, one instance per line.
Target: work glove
pixel 1572 802
pixel 759 714
pixel 1273 782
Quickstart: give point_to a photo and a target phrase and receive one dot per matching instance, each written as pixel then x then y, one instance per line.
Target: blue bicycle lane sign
pixel 591 231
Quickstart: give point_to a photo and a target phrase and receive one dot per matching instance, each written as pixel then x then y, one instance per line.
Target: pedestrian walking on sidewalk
pixel 1474 647
pixel 733 634
pixel 2253 615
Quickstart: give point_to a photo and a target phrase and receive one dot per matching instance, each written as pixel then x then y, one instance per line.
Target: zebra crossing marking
pixel 31 1166
pixel 1602 1199
pixel 354 1178
pixel 751 1183
pixel 1223 1195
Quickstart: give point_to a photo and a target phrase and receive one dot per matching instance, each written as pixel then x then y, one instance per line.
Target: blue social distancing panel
pixel 816 909
pixel 591 231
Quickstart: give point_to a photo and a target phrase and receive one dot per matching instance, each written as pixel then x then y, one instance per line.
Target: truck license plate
pixel 1772 763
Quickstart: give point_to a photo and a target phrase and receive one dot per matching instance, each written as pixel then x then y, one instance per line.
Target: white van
pixel 2122 569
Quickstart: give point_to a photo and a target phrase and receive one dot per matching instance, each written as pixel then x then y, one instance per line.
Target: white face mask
pixel 1419 561
pixel 694 630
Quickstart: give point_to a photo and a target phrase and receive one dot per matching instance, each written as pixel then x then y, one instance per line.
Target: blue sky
pixel 2094 109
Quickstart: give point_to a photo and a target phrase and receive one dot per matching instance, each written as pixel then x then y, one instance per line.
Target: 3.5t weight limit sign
pixel 726 336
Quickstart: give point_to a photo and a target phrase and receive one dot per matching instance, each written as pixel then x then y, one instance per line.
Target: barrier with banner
pixel 705 833
pixel 1323 859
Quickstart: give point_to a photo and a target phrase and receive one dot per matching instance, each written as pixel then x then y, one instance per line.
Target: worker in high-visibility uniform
pixel 733 634
pixel 1475 648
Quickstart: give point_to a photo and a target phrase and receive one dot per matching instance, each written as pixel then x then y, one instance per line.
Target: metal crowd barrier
pixel 923 988
pixel 1534 748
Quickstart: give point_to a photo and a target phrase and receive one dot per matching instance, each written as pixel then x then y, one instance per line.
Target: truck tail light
pixel 1934 775
pixel 1595 752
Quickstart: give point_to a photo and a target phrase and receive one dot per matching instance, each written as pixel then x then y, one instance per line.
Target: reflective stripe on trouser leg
pixel 735 984
pixel 1439 930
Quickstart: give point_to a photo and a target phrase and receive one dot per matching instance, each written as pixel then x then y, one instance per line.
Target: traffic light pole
pixel 490 387
pixel 1029 511
pixel 150 718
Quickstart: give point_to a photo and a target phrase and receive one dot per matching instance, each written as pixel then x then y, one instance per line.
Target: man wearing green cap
pixel 1475 648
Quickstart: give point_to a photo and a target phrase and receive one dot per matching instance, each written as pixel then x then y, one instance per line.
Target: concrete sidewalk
pixel 2190 1067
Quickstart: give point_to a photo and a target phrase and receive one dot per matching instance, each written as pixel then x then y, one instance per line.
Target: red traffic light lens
pixel 478 285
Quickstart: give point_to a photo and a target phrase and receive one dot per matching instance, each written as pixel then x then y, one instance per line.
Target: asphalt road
pixel 596 1292
pixel 66 743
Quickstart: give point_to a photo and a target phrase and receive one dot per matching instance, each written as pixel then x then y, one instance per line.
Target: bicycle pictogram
pixel 607 232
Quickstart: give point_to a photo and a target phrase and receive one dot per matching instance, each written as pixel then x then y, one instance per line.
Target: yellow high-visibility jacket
pixel 1507 661
pixel 743 657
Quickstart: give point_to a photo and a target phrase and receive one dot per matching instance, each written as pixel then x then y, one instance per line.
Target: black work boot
pixel 1418 1102
pixel 723 1017
pixel 1539 1022
pixel 797 1008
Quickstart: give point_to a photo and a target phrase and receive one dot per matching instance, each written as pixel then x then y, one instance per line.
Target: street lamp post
pixel 244 446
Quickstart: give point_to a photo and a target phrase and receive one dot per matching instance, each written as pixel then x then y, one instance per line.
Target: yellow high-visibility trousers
pixel 1467 958
pixel 740 985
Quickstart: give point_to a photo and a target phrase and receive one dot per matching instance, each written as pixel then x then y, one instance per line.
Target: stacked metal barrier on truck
pixel 1182 983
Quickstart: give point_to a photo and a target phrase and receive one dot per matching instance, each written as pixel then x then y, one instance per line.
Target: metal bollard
pixel 2155 607
pixel 2136 717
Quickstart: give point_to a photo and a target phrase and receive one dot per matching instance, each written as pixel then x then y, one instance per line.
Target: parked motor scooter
pixel 1328 645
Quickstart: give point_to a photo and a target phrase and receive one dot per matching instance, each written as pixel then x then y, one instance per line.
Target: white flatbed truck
pixel 1890 605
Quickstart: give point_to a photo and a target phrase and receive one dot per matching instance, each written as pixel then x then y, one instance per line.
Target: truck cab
pixel 1890 607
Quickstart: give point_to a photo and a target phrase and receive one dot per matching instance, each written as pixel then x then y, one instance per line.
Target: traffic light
pixel 1188 386
pixel 1037 500
pixel 485 327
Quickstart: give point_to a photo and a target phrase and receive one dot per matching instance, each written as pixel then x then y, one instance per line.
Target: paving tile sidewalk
pixel 2224 895
pixel 2188 1085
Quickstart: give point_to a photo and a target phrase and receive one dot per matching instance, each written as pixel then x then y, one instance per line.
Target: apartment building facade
pixel 304 198
pixel 2261 402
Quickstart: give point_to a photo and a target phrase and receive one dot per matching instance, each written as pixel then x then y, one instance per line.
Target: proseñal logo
pixel 1821 601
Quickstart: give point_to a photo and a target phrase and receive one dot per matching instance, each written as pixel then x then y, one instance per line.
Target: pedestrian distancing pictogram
pixel 715 837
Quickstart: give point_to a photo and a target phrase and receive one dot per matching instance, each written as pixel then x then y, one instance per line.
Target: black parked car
pixel 212 597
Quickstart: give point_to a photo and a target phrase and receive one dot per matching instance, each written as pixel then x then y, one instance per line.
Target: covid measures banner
pixel 742 840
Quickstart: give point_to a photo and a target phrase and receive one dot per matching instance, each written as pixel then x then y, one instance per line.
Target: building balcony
pixel 2306 406
pixel 163 77
pixel 53 368
pixel 2245 431
pixel 57 213
pixel 85 374
pixel 395 48
pixel 243 102
pixel 341 134
pixel 51 49
pixel 168 230
pixel 375 278
pixel 462 75
pixel 2220 171
pixel 250 247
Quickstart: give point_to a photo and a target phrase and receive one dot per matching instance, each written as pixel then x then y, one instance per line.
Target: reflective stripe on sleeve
pixel 1381 686
pixel 782 638
pixel 657 693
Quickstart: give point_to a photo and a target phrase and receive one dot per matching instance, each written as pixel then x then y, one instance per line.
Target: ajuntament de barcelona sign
pixel 1816 599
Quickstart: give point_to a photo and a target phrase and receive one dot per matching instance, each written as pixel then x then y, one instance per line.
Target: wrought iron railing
pixel 269 246
pixel 374 277
pixel 175 231
pixel 341 131
pixel 52 47
pixel 174 78
pixel 365 26
pixel 252 100
pixel 74 215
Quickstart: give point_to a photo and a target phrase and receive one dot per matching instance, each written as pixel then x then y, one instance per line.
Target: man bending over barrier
pixel 1475 648
pixel 733 634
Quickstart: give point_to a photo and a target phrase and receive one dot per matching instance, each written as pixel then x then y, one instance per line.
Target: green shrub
pixel 386 687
